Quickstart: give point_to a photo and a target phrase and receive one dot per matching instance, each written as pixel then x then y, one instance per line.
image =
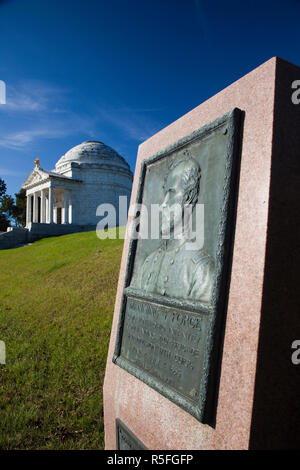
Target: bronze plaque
pixel 126 440
pixel 178 271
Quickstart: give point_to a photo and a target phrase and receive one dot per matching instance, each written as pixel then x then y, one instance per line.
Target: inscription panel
pixel 167 343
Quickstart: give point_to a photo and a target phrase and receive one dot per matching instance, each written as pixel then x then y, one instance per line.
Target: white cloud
pixel 22 102
pixel 32 96
pixel 18 140
pixel 37 111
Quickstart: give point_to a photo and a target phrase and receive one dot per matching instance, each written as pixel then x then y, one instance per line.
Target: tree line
pixel 12 210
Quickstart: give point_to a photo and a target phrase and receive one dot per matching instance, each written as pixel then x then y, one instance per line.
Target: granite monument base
pixel 254 403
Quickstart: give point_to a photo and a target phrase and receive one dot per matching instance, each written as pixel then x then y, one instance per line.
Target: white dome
pixel 92 152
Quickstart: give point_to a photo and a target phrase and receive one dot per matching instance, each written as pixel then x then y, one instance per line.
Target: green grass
pixel 56 305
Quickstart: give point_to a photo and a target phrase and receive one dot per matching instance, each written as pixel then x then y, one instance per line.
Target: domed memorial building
pixel 66 199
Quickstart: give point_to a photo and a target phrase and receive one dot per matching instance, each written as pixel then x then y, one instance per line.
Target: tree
pixel 9 208
pixel 2 188
pixel 4 221
pixel 19 208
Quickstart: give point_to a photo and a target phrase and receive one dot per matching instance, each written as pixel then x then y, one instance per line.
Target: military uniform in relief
pixel 178 272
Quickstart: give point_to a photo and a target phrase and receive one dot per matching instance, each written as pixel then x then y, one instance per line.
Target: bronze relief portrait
pixel 173 269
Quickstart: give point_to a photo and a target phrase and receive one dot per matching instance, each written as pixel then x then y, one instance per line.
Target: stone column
pixel 51 197
pixel 66 215
pixel 43 219
pixel 70 208
pixel 35 207
pixel 28 210
pixel 46 208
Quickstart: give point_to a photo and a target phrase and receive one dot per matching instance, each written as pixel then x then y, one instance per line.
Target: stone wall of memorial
pixel 99 186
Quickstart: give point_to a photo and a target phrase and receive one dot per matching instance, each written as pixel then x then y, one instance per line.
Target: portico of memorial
pixel 66 199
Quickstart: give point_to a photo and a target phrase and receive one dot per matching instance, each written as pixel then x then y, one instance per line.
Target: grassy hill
pixel 56 304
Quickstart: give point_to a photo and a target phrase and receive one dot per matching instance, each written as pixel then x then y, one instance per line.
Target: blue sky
pixel 118 71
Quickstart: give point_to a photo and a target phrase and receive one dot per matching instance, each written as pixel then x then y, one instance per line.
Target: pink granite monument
pixel 256 384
